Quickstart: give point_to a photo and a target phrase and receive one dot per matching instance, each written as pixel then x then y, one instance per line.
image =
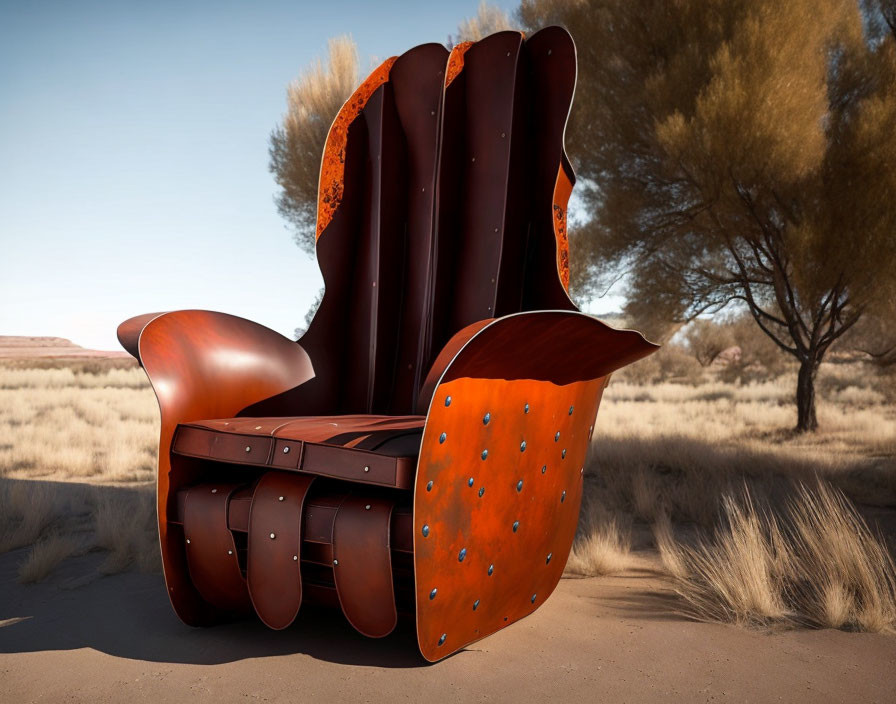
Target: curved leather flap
pixel 211 552
pixel 362 565
pixel 275 535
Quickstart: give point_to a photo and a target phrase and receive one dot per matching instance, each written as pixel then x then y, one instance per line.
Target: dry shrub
pixel 27 510
pixel 125 525
pixel 45 556
pixel 671 363
pixel 815 563
pixel 602 545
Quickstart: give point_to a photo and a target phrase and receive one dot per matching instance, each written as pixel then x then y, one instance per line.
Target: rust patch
pixel 332 169
pixel 456 62
pixel 496 503
pixel 562 191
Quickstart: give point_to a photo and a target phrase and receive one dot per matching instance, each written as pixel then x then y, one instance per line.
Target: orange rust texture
pixel 527 562
pixel 332 170
pixel 562 191
pixel 456 62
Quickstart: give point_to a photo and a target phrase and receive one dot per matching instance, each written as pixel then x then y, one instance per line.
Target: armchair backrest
pixel 443 195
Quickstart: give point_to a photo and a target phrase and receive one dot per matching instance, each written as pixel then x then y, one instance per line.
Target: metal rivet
pixel 533 598
pixel 563 496
pixel 496 229
pixel 214 491
pixel 556 436
pixel 563 454
pixel 591 430
pixel 470 481
pixel 486 418
pixel 367 469
pixel 461 555
pixel 280 498
pixel 549 51
pixel 442 639
pixel 516 525
pixel 475 604
pixel 425 531
pixel 258 427
pixel 335 562
pixel 508 53
pixel 544 468
pixel 484 454
pixel 432 594
pixel 423 190
pixel 448 401
pixel 503 135
pixel 550 555
pixel 248 448
pixel 429 486
pixel 570 409
pixel 230 552
pixel 582 470
pixel 519 485
pixel 523 446
pixel 188 541
pixel 491 568
pixel 286 450
pixel 526 409
pixel 367 507
pixel 295 558
pixel 273 536
pixel 481 491
pixel 442 438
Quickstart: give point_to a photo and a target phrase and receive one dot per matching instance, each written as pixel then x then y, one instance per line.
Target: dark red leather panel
pixel 275 536
pixel 362 565
pixel 378 450
pixel 211 552
pixel 317 526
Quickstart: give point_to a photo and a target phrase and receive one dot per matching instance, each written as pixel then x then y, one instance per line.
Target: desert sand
pixel 608 639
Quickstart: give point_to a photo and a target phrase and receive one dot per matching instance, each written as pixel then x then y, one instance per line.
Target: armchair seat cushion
pixel 370 449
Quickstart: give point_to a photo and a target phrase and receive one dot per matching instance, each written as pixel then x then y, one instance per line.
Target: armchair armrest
pixel 205 365
pixel 501 468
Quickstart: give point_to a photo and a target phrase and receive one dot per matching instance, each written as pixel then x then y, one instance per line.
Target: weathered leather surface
pixel 317 520
pixel 211 551
pixel 362 565
pixel 379 450
pixel 275 535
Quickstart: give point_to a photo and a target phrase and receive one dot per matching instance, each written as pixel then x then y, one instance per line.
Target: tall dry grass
pixel 813 562
pixel 62 424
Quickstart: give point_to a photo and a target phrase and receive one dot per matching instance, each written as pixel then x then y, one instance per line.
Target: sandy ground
pixel 613 639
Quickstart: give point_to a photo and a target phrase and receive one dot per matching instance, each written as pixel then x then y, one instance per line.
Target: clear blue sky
pixel 133 154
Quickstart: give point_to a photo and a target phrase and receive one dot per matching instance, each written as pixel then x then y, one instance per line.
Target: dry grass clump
pixel 814 562
pixel 127 529
pixel 45 556
pixel 603 543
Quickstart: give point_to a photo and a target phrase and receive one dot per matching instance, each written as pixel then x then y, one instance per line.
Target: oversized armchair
pixel 421 448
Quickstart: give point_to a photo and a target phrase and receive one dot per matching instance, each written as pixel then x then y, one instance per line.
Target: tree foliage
pixel 737 152
pixel 297 144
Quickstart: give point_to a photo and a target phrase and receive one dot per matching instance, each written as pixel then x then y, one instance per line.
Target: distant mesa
pixel 23 347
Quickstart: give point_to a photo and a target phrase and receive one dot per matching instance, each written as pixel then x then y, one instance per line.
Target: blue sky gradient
pixel 134 154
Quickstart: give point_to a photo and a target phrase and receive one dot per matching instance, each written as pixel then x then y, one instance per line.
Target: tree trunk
pixel 805 395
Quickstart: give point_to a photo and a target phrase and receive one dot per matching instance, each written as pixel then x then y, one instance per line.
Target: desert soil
pixel 609 639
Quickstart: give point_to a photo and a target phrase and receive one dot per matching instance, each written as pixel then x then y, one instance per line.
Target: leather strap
pixel 362 565
pixel 275 536
pixel 211 551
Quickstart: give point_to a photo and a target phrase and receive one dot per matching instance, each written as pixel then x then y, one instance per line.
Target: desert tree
pixel 738 153
pixel 297 143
